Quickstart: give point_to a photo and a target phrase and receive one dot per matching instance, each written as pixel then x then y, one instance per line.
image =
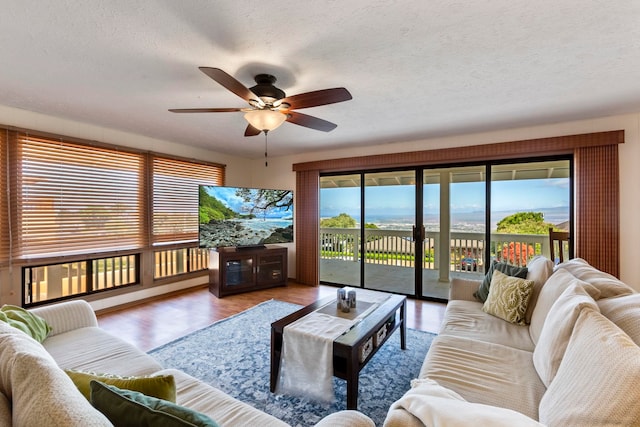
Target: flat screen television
pixel 244 217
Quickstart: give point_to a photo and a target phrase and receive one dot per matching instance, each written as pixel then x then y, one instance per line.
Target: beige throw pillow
pixel 608 285
pixel 539 269
pixel 508 297
pixel 557 330
pixel 597 382
pixel 550 292
pixel 624 312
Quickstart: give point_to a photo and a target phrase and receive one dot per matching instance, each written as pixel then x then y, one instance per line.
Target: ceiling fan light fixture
pixel 265 120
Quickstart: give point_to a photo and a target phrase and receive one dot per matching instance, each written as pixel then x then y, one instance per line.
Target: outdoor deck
pixel 389 256
pixel 389 277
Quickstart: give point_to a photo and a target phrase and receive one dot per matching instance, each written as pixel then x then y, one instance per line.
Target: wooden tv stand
pixel 237 270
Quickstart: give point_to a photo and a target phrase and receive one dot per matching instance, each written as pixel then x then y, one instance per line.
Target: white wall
pixel 629 170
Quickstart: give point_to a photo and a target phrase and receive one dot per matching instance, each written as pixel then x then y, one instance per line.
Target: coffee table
pixel 346 348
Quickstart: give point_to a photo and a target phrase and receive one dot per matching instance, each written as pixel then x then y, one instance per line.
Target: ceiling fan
pixel 269 106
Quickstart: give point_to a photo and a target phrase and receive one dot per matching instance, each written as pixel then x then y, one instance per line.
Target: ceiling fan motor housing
pixel 266 89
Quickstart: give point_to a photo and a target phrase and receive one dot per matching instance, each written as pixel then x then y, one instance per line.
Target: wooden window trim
pixel 474 153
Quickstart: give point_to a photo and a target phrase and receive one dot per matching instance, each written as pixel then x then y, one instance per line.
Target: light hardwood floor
pixel 153 323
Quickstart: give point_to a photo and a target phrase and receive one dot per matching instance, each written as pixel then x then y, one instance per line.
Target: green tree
pixel 263 200
pixel 524 223
pixel 341 221
pixel 211 208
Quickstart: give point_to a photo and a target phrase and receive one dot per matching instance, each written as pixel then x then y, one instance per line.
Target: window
pixel 84 217
pixel 175 197
pixel 59 281
pixel 175 214
pixel 72 199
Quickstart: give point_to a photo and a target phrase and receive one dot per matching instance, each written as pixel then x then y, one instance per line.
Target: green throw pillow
pixel 510 270
pixel 161 386
pixel 34 326
pixel 126 408
pixel 508 297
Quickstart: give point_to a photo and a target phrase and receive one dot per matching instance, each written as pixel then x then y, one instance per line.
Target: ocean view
pixel 460 221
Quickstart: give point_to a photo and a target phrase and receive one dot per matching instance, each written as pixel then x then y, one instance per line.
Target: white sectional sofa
pixel 575 363
pixel 36 391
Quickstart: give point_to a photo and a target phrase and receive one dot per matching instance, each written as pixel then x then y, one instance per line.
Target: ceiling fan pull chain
pixel 266 164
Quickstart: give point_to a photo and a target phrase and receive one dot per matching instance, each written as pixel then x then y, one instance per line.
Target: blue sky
pixel 227 195
pixel 516 195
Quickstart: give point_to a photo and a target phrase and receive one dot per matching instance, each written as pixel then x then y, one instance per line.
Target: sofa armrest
pixel 67 316
pixel 463 289
pixel 346 419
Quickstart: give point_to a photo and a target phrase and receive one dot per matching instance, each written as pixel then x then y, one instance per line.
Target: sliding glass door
pixel 340 212
pixel 412 231
pixel 527 199
pixel 454 216
pixel 389 247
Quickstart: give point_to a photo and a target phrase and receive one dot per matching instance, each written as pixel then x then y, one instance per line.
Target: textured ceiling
pixel 416 69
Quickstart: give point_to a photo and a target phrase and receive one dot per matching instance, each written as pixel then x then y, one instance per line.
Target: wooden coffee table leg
pixel 352 381
pixel 403 326
pixel 276 351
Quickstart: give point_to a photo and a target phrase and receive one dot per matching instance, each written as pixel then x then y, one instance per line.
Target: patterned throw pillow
pixel 508 297
pixel 510 270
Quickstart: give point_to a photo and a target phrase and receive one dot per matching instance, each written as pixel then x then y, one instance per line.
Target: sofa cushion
pixel 95 350
pixel 31 324
pixel 597 382
pixel 607 284
pixel 508 297
pixel 36 386
pixel 160 386
pixel 434 405
pixel 555 286
pixel 466 319
pixel 539 269
pixel 218 405
pixel 624 311
pixel 126 408
pixel 472 368
pixel 5 411
pixel 510 270
pixel 42 391
pixel 557 329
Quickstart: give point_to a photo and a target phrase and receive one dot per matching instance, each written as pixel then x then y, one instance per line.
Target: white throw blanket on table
pixel 306 366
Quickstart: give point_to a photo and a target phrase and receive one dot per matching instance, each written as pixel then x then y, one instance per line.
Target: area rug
pixel 233 355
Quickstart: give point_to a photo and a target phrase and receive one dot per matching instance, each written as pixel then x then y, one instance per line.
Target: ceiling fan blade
pixel 204 110
pixel 251 131
pixel 315 98
pixel 310 121
pixel 231 84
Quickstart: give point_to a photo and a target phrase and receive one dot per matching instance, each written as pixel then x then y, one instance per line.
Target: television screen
pixel 240 216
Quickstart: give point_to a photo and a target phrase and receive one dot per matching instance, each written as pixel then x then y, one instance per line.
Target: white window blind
pixel 76 198
pixel 175 197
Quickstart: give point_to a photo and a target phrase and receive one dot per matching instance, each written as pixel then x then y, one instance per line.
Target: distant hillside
pixel 211 208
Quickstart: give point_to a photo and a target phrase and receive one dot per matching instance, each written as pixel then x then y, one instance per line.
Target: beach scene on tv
pixel 239 216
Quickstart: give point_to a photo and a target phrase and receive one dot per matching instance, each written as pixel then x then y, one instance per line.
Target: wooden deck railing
pixel 396 247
